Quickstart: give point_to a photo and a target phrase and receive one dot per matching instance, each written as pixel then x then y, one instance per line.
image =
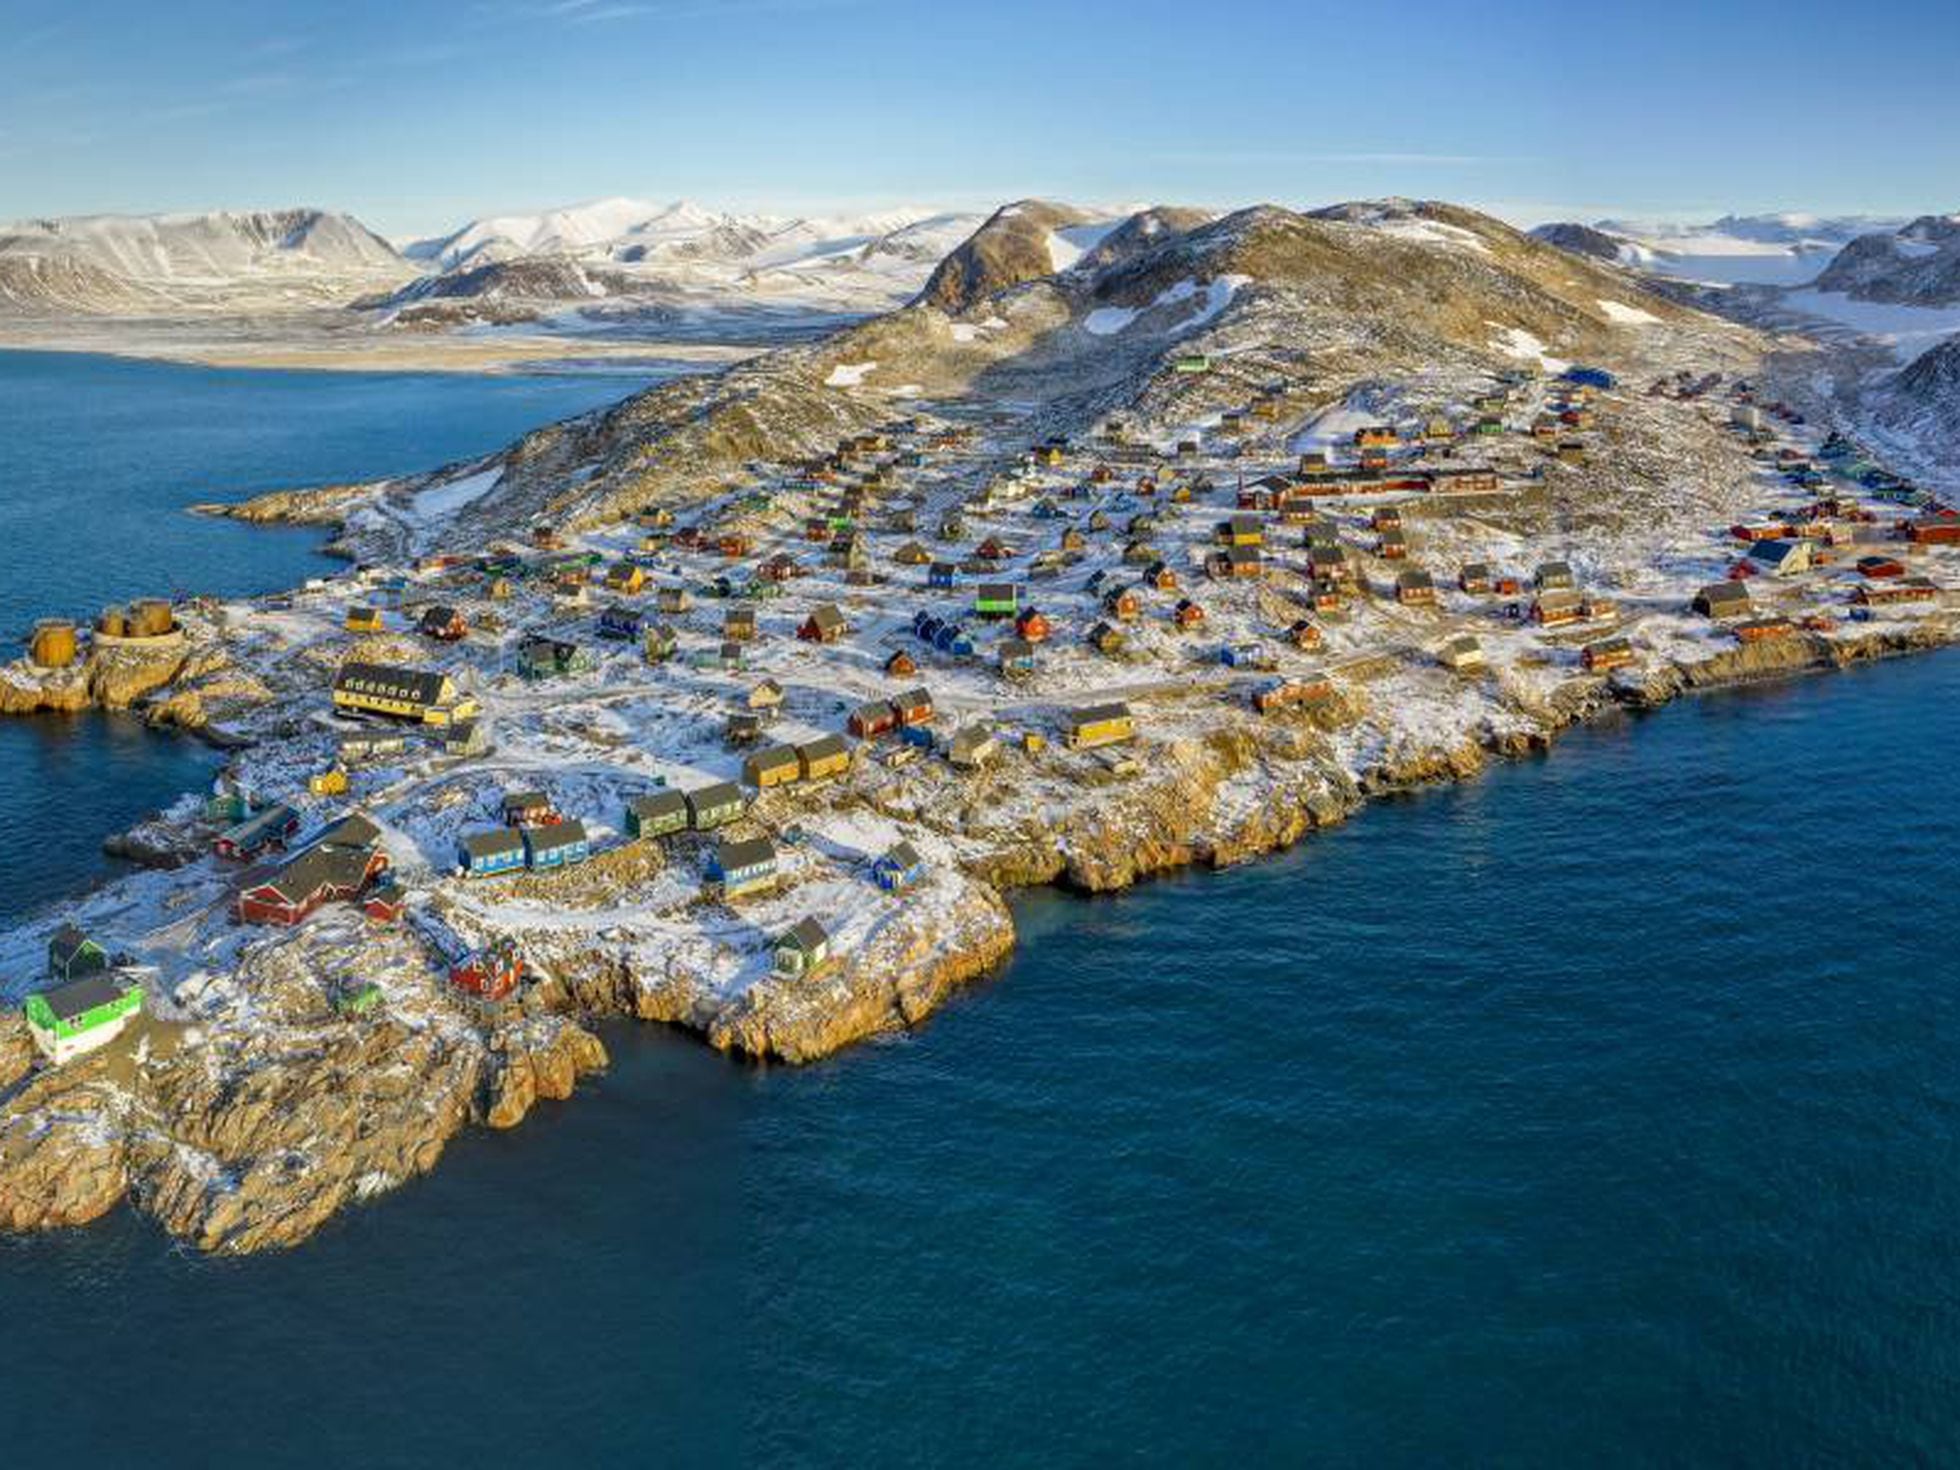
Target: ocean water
pixel 1602 1110
pixel 98 458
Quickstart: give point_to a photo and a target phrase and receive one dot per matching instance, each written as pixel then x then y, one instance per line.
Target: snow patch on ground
pixel 1627 316
pixel 1517 342
pixel 848 374
pixel 446 500
pixel 1212 298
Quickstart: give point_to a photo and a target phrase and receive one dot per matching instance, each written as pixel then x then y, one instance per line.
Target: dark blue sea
pixel 98 458
pixel 1604 1110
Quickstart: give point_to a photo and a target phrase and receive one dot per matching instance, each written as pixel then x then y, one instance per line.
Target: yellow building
pixel 407 694
pixel 1101 724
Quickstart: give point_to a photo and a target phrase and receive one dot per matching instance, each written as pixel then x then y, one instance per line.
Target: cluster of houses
pixel 344 863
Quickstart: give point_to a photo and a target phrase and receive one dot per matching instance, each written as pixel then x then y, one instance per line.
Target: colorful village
pixel 763 765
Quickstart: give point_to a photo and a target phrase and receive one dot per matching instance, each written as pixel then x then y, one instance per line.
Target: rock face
pixel 1579 239
pixel 1010 249
pixel 323 505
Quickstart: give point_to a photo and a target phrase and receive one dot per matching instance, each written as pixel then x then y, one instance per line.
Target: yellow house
pixel 407 694
pixel 624 576
pixel 364 620
pixel 1101 724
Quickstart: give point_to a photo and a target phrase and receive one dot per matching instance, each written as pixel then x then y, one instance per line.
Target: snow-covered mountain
pixel 1916 265
pixel 113 263
pixel 611 259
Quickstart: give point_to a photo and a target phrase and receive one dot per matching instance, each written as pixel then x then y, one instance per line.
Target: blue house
pixel 485 854
pixel 556 846
pixel 619 622
pixel 742 865
pixel 940 574
pixel 1588 377
pixel 901 867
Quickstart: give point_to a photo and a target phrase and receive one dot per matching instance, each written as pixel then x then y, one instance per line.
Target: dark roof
pixel 416 686
pixel 827 617
pixel 317 868
pixel 558 834
pixel 67 943
pixel 493 843
pixel 903 855
pixel 773 755
pixel 71 1000
pixel 662 803
pixel 806 934
pixel 1094 713
pixel 743 852
pixel 524 800
pixel 920 695
pixel 823 745
pixel 355 830
pixel 722 793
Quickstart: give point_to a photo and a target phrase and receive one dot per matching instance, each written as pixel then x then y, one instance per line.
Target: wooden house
pixel 733 544
pixel 658 643
pixel 742 865
pixel 1781 558
pixel 71 1019
pixel 1123 603
pixel 1392 546
pixel 673 600
pixel 1291 693
pixel 1327 596
pixel 1895 590
pixel 266 831
pixel 774 766
pixel 825 625
pixel 322 874
pixel 556 846
pixel 1328 563
pixel 872 719
pixel 1723 600
pixel 1105 638
pixel 409 694
pixel 766 695
pixel 1606 655
pixel 619 622
pixel 972 747
pixel 912 554
pixel 656 814
pixel 1556 606
pixel 801 949
pixel 1160 576
pixel 1376 436
pixel 625 576
pixel 1241 530
pixel 1468 481
pixel 528 809
pixel 1415 588
pixel 1016 657
pixel 1098 725
pixel 714 806
pixel 486 854
pixel 1387 518
pixel 1187 614
pixel 72 954
pixel 385 903
pixel 738 625
pixel 914 706
pixel 364 620
pixel 993 549
pixel 1462 654
pixel 1241 563
pixel 824 757
pixel 1552 574
pixel 901 664
pixel 442 623
pixel 550 658
pixel 1032 625
pixel 997 600
pixel 1475 577
pixel 743 727
pixel 1934 531
pixel 899 867
pixel 1305 635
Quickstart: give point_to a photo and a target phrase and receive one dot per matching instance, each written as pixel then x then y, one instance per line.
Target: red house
pixel 914 707
pixel 320 875
pixel 825 625
pixel 490 973
pixel 872 719
pixel 1032 626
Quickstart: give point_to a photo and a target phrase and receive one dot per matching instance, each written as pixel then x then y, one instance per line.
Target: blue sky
pixel 416 115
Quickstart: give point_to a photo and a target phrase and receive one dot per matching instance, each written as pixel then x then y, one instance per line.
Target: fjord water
pixel 98 458
pixel 1600 1110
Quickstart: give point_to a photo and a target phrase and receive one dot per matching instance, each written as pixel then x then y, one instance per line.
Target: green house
pixel 358 1000
pixel 70 1020
pixel 72 954
pixel 997 600
pixel 656 814
pixel 1192 362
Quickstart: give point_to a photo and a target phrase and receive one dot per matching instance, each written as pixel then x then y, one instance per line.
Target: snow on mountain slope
pixel 123 262
pixel 1916 265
